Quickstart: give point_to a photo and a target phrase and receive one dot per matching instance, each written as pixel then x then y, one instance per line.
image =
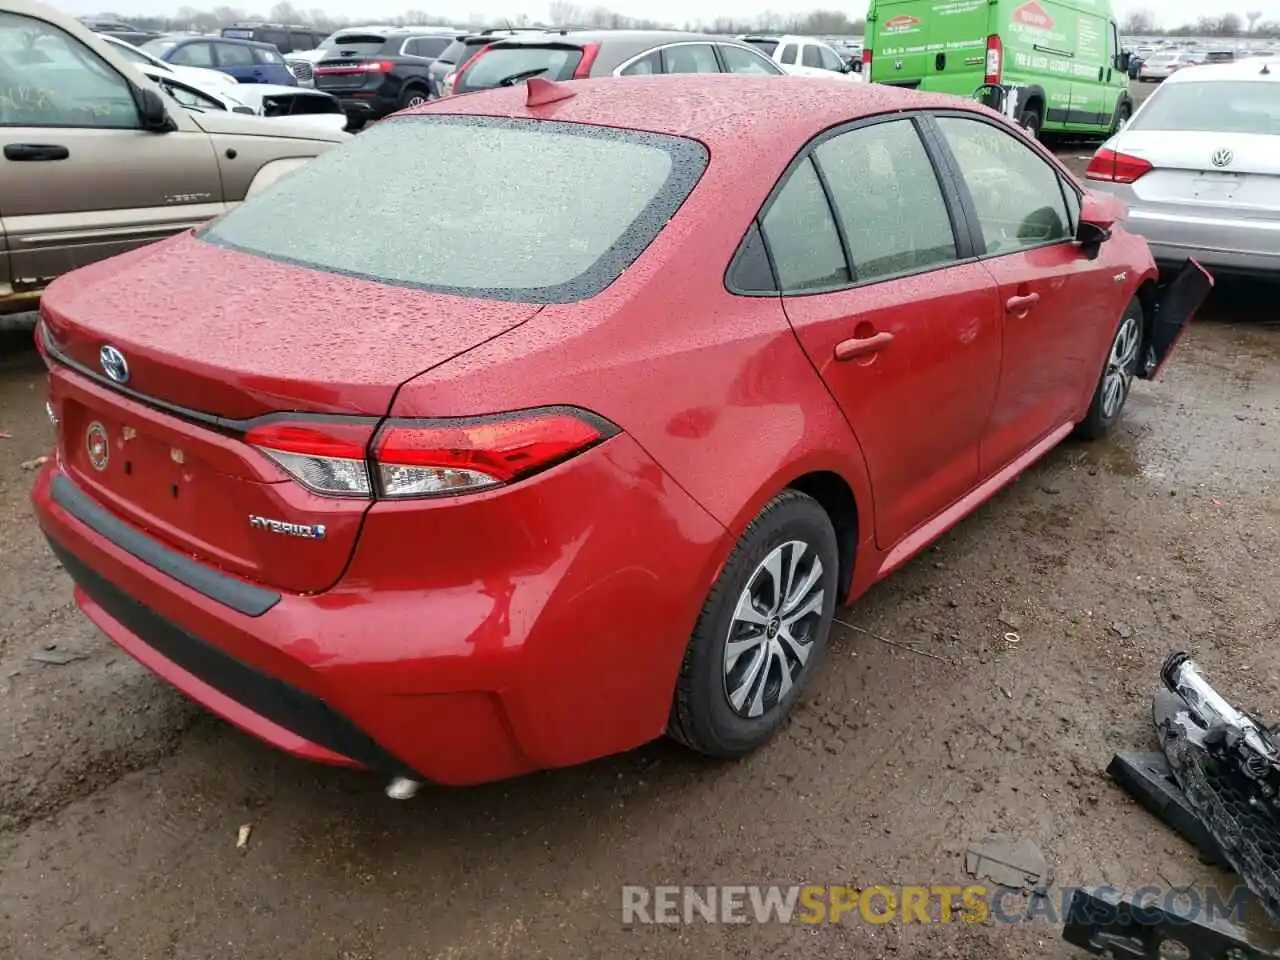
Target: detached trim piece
pixel 282 703
pixel 242 597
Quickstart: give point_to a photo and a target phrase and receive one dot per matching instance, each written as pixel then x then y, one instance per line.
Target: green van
pixel 1052 65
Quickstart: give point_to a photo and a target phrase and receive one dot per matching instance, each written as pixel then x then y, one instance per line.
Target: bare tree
pixel 1138 23
pixel 1253 16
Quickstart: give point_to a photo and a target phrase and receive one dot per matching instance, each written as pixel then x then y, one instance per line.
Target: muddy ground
pixel 120 802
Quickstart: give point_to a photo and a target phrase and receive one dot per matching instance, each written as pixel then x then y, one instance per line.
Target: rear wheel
pixel 761 633
pixel 413 97
pixel 1030 122
pixel 1123 113
pixel 1117 376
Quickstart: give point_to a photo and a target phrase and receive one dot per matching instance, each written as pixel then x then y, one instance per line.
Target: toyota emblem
pixel 114 364
pixel 1222 158
pixel 97 446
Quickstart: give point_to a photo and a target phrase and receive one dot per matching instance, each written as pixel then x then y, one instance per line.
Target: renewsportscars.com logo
pixel 936 903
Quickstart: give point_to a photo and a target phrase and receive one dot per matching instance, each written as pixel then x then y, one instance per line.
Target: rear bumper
pixel 565 649
pixel 1225 242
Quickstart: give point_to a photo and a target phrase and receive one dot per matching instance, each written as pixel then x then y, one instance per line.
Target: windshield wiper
pixel 513 79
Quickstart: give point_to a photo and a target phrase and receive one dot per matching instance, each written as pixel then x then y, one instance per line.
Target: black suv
pixel 285 37
pixel 377 72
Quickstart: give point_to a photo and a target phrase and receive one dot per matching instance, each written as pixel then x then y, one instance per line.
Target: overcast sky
pixel 1169 12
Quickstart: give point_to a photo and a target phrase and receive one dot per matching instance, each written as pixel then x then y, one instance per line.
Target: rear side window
pixel 690 58
pixel 888 200
pixel 277 38
pixel 788 54
pixel 503 66
pixel 802 237
pixel 428 46
pixel 300 41
pixel 650 63
pixel 810 57
pixel 525 210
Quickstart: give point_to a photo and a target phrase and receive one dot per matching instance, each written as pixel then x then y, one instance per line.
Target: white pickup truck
pixel 803 56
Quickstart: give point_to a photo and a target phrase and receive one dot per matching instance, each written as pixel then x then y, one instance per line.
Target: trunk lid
pixel 212 337
pixel 1240 171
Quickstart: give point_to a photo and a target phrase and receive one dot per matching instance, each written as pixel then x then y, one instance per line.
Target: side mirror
pixel 1126 59
pixel 1098 214
pixel 155 116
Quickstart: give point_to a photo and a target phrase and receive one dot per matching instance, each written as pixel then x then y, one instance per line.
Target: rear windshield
pixel 354 45
pixel 503 66
pixel 768 46
pixel 238 33
pixel 526 210
pixel 1223 106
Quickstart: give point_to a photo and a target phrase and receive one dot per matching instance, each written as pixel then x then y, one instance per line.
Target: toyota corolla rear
pixel 457 592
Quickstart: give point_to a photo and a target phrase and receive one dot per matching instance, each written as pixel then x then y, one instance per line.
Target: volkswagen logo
pixel 1222 158
pixel 97 446
pixel 114 364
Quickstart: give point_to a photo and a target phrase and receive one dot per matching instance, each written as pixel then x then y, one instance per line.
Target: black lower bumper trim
pixel 252 601
pixel 283 704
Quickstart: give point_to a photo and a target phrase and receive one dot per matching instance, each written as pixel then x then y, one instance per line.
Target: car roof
pixel 1250 68
pixel 738 113
pixel 183 41
pixel 638 37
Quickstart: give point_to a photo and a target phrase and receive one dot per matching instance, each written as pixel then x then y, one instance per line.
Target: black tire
pixel 1104 411
pixel 1123 113
pixel 1030 122
pixel 703 715
pixel 413 97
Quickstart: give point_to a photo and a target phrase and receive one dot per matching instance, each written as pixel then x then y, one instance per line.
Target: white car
pixel 803 56
pixel 287 106
pixel 1199 169
pixel 1164 64
pixel 201 76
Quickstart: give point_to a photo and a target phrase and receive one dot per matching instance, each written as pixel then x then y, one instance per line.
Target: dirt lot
pixel 120 802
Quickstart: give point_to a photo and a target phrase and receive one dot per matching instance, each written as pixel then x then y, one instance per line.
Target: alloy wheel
pixel 773 628
pixel 1119 374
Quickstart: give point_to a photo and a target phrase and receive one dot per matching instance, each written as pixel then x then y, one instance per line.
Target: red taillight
pixel 1117 167
pixel 995 59
pixel 589 52
pixel 423 458
pixel 428 458
pixel 324 455
pixel 369 66
pixel 866 64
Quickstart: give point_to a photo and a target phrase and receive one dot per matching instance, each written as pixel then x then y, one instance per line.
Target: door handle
pixel 1021 304
pixel 35 151
pixel 861 346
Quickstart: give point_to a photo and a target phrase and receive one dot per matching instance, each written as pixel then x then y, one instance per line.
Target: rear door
pixel 79 179
pixel 934 46
pixel 902 329
pixel 1058 306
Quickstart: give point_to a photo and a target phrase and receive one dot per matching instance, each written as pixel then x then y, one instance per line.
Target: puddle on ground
pixel 1111 457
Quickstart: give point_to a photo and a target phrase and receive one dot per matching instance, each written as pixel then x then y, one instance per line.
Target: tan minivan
pixel 96 160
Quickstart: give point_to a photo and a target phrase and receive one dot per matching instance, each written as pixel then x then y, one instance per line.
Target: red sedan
pixel 537 423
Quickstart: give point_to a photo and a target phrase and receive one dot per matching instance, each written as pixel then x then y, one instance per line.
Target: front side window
pixel 810 57
pixel 234 55
pixel 525 210
pixel 741 60
pixel 690 58
pixel 300 41
pixel 1016 194
pixel 788 54
pixel 831 60
pixel 50 79
pixel 888 200
pixel 264 55
pixel 193 55
pixel 277 38
pixel 801 235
